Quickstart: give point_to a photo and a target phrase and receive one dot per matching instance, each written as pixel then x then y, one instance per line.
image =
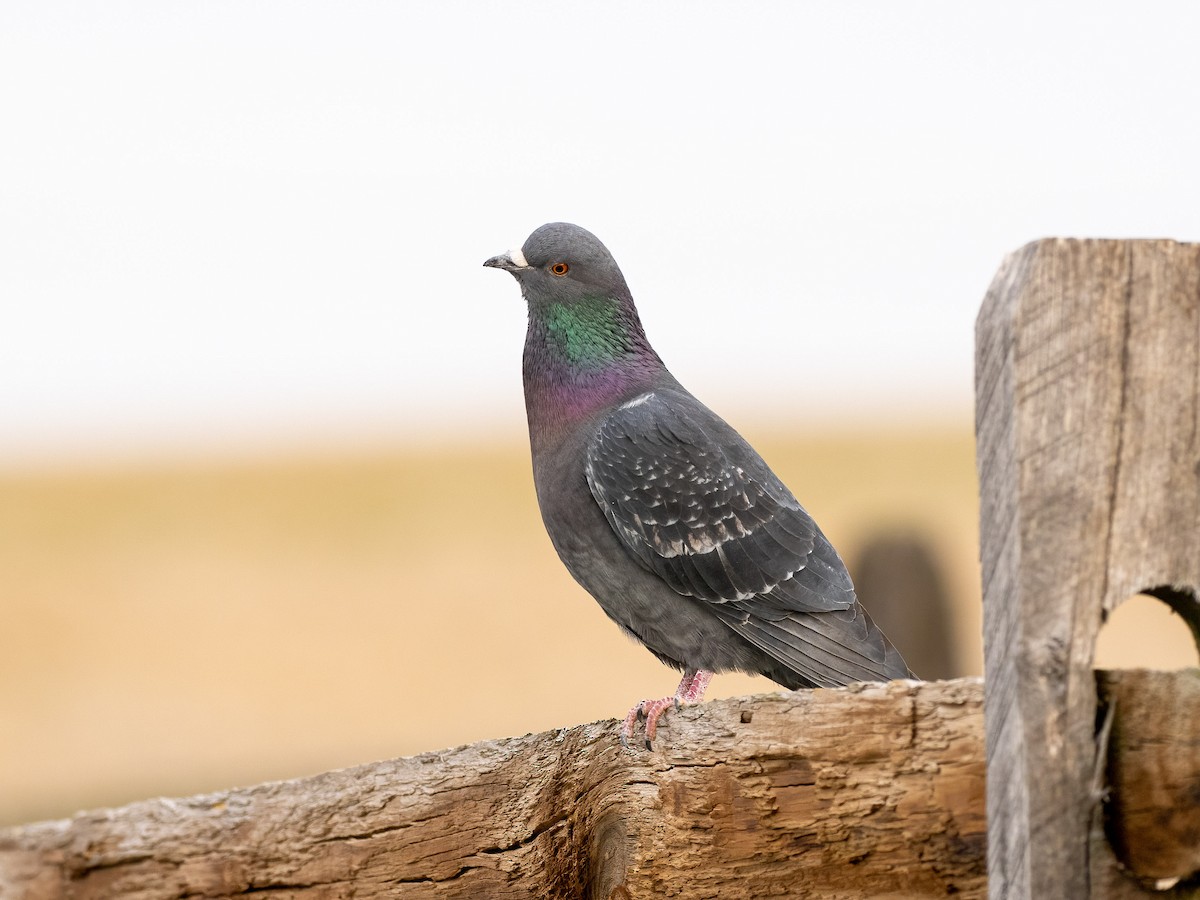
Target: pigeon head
pixel 580 308
pixel 585 346
pixel 563 263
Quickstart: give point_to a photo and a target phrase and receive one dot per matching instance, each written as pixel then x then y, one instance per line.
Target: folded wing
pixel 697 506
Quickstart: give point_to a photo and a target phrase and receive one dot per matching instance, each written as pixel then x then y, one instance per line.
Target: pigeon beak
pixel 511 261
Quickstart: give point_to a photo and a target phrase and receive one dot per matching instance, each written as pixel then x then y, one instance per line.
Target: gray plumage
pixel 661 510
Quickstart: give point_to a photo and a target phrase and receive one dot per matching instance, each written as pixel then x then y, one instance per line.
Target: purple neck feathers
pixel 563 388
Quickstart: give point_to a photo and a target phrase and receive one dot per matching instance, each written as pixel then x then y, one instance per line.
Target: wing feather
pixel 694 503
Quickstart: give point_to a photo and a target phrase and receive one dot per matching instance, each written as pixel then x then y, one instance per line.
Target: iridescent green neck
pixel 589 331
pixel 581 357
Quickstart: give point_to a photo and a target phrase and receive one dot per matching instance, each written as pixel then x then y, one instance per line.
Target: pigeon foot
pixel 691 690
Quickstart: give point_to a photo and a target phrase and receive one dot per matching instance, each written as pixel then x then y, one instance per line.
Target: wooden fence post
pixel 1088 428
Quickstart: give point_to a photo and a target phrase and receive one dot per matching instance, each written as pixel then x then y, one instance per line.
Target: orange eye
pixel 559 268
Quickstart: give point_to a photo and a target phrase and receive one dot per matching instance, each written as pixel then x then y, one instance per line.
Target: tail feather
pixel 823 649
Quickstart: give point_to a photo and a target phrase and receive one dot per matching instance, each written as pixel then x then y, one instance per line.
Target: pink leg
pixel 691 690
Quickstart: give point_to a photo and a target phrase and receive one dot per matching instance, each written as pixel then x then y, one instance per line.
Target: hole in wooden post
pixel 1156 629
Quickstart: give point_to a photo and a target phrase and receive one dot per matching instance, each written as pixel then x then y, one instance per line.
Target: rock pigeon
pixel 660 510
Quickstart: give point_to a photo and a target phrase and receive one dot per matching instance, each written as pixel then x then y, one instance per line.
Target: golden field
pixel 189 626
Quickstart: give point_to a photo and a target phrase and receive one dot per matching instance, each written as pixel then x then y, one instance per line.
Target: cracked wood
pixel 1087 406
pixel 866 791
pixel 847 793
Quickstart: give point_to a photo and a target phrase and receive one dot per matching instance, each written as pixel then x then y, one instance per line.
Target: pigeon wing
pixel 696 505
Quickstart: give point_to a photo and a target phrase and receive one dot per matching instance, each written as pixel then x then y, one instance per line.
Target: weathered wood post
pixel 1088 425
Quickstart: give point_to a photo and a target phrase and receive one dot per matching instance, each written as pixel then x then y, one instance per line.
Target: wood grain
pixel 866 791
pixel 1087 368
pixel 1152 798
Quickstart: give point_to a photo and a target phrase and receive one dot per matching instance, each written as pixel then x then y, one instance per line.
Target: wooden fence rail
pixel 867 791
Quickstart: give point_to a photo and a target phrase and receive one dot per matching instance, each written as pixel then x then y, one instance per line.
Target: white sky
pixel 223 222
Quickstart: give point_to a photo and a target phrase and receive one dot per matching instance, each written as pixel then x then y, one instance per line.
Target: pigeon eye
pixel 559 268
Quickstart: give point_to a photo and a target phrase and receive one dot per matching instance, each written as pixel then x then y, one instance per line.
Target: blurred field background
pixel 191 625
pixel 265 501
pixel 183 626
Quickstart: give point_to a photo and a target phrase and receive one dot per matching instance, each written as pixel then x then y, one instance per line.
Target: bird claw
pixel 648 711
pixel 635 715
pixel 691 690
